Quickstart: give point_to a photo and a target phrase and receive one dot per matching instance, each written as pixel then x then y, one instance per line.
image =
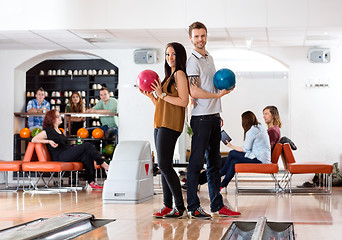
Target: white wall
pixel 9 60
pixel 260 81
pixel 315 113
pixel 253 95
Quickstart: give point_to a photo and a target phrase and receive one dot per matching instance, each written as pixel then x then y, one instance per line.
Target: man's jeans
pixel 207 136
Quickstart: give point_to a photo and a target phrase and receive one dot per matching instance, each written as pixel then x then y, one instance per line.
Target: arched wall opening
pixel 20 77
pixel 261 81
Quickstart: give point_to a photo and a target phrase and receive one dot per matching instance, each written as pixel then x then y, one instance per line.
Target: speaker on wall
pixel 145 56
pixel 319 55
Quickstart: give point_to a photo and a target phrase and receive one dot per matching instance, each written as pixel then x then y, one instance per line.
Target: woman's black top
pixel 58 138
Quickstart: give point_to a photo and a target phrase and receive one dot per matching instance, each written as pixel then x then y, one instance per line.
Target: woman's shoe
pixel 175 213
pixel 95 186
pixel 162 212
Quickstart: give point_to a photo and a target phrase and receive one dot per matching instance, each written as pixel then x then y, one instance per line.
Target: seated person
pixel 106 105
pixel 60 150
pixel 272 119
pixel 38 105
pixel 75 105
pixel 256 148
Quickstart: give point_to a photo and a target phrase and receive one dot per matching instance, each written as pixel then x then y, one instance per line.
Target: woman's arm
pixel 240 149
pixel 250 138
pixel 248 144
pixel 42 138
pixel 150 96
pixel 182 87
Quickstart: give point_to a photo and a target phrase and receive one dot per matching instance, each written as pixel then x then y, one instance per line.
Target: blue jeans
pixel 228 168
pixel 206 137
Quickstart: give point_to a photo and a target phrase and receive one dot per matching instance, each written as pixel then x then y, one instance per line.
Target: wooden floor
pixel 314 216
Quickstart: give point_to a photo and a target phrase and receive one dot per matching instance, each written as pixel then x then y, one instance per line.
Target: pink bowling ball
pixel 145 79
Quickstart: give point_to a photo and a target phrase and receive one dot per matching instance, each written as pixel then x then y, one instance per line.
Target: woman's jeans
pixel 165 140
pixel 228 168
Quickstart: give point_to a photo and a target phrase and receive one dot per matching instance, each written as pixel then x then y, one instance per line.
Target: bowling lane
pixel 314 216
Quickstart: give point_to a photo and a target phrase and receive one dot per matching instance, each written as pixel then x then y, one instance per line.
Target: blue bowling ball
pixel 224 79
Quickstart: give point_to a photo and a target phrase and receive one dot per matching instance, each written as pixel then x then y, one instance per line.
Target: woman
pixel 272 119
pixel 256 148
pixel 75 105
pixel 170 103
pixel 60 150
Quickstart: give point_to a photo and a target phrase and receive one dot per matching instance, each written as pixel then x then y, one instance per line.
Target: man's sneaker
pixel 175 213
pixel 199 213
pixel 162 212
pixel 226 212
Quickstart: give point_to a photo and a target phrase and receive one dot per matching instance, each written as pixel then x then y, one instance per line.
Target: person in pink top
pixel 273 122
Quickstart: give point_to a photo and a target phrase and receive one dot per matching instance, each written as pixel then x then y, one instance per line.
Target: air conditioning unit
pixel 145 56
pixel 319 55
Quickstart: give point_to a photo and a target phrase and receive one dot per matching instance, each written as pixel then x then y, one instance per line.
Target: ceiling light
pixel 99 40
pixel 249 43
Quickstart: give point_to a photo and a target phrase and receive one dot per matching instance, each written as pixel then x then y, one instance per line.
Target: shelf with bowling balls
pixel 82 133
pixel 106 149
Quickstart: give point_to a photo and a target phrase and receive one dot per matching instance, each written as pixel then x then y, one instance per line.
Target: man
pixel 106 105
pixel 38 105
pixel 272 120
pixel 206 125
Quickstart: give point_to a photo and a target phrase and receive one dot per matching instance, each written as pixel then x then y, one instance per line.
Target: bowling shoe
pixel 226 212
pixel 175 213
pixel 95 186
pixel 199 213
pixel 162 212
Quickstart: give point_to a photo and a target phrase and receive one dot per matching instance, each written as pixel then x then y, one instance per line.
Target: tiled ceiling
pixel 157 38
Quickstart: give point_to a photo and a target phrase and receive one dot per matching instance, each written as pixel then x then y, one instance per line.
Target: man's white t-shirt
pixel 204 67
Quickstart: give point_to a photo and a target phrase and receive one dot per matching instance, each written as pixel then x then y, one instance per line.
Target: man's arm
pixel 102 111
pixel 98 108
pixel 197 92
pixel 30 108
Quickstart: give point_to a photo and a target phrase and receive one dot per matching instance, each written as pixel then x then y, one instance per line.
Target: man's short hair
pixel 104 88
pixel 40 89
pixel 196 25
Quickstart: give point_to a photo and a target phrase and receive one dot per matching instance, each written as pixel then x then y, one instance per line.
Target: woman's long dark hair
pixel 180 63
pixel 78 107
pixel 248 120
